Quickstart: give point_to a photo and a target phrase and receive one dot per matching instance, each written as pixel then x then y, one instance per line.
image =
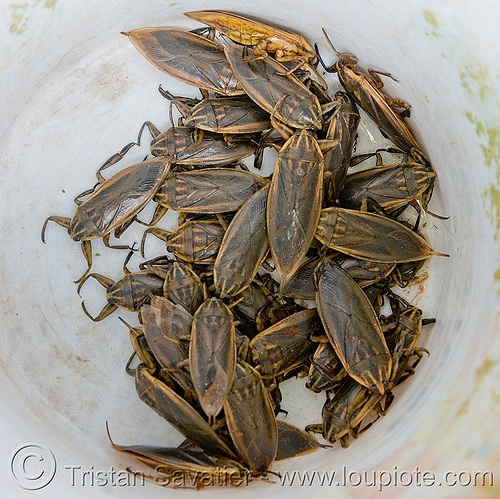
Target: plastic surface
pixel 74 91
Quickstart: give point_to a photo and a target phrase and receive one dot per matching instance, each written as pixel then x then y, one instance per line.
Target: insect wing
pixel 286 344
pixel 366 273
pixel 293 441
pixel 250 419
pixel 370 237
pixel 294 202
pixel 190 58
pixel 124 195
pixel 212 354
pixel 218 190
pixel 353 328
pixel 244 246
pixel 165 402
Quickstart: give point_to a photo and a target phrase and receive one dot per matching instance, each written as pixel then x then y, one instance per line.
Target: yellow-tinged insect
pixel 284 45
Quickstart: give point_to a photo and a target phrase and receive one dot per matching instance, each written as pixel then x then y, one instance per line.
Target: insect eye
pixel 169 249
pixel 348 60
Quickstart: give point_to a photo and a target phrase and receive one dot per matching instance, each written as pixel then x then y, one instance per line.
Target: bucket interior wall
pixel 75 91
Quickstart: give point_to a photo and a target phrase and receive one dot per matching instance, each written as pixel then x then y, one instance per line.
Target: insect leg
pixel 375 78
pixel 113 160
pixel 105 282
pixel 87 253
pixel 159 233
pixel 108 309
pixel 62 221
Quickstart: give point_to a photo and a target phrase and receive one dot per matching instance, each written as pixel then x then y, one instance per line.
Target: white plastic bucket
pixel 74 91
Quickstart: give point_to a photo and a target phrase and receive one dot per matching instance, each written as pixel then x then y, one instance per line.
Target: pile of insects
pixel 265 278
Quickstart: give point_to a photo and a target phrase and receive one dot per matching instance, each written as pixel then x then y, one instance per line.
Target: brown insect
pixel 231 115
pixel 353 403
pixel 212 354
pixel 181 415
pixel 188 146
pixel 190 58
pixel 250 419
pixel 342 128
pixel 194 467
pixel 167 328
pixel 130 292
pixel 365 273
pixel 336 414
pixel 250 301
pixel 183 286
pixel 353 328
pixel 301 284
pixel 114 204
pixel 294 202
pixel 285 345
pixel 217 190
pixel 243 247
pixel 365 90
pixel 293 441
pixel 195 241
pixel 268 84
pixel 326 370
pixel 391 187
pixel 371 237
